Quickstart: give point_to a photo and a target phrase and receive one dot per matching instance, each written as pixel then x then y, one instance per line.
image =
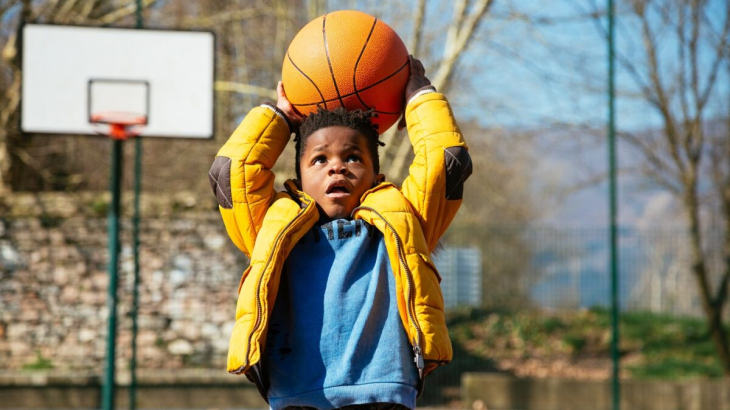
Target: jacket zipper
pixel 418 354
pixel 261 280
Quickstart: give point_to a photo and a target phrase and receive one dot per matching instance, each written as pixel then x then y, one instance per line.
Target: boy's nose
pixel 337 167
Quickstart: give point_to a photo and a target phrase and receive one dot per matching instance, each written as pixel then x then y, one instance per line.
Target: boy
pixel 340 305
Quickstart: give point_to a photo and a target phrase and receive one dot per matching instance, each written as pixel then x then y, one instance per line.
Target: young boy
pixel 340 305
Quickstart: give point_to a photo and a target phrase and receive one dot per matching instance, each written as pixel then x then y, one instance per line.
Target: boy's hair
pixel 357 120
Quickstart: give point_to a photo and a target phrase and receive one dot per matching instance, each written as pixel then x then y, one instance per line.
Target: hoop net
pixel 118 125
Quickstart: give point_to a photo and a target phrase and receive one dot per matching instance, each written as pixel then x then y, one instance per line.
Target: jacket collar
pixel 296 194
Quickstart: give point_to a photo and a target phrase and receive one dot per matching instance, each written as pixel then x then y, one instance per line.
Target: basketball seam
pixel 354 72
pixel 351 94
pixel 329 63
pixel 310 80
pixel 398 113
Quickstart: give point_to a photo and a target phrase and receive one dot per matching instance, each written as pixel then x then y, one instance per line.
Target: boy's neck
pixel 324 218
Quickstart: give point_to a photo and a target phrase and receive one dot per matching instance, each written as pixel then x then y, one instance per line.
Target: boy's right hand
pixel 417 80
pixel 285 106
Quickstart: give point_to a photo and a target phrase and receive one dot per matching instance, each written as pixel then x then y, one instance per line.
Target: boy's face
pixel 336 170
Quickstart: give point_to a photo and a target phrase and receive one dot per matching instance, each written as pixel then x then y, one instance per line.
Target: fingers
pixel 420 71
pixel 416 66
pixel 417 77
pixel 281 100
pixel 295 119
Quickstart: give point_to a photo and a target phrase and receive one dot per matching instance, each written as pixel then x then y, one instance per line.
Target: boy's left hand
pixel 416 80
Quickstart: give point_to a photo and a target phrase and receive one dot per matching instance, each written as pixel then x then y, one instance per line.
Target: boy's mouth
pixel 338 188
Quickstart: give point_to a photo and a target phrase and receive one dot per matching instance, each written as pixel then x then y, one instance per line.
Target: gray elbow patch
pixel 458 168
pixel 220 180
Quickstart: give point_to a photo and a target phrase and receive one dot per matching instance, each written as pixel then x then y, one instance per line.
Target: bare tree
pixel 461 29
pixel 675 70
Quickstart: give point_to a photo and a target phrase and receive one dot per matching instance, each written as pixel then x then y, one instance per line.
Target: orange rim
pixel 121 125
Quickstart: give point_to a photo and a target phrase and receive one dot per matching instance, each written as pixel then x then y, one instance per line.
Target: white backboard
pixel 70 72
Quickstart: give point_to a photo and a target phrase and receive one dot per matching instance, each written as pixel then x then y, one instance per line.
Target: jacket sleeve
pixel 241 175
pixel 435 184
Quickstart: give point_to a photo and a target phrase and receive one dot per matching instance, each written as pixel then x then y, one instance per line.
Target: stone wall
pixel 155 389
pixel 53 283
pixel 484 391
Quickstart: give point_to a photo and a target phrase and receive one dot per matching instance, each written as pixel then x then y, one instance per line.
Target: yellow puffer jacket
pixel 266 225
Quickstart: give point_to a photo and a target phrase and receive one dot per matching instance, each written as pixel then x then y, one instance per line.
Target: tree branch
pixel 122 12
pixel 722 53
pixel 5 6
pixel 458 41
pixel 682 59
pixel 665 174
pixel 224 17
pixel 650 47
pixel 248 89
pixel 460 33
pixel 414 41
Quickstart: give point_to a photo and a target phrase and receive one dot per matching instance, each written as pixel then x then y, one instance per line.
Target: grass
pixel 40 363
pixel 653 346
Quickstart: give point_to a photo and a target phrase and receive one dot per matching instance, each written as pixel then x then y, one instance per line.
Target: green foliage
pixel 40 363
pixel 552 324
pixel 160 343
pixel 100 207
pixel 660 346
pixel 602 315
pixel 673 368
pixel 673 347
pixel 575 341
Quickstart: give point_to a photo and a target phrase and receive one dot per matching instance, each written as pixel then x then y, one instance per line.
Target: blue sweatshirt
pixel 335 337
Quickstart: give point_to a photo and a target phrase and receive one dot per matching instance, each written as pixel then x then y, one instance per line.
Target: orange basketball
pixel 350 59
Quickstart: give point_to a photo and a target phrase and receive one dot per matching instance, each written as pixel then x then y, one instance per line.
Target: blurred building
pixel 461 276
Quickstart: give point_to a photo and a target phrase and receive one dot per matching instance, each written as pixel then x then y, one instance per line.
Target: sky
pixel 553 75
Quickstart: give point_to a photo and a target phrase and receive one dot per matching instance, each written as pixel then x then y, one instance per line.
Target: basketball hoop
pixel 118 125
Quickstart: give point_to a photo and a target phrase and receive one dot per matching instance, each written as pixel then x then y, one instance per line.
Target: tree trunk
pixel 4 164
pixel 711 309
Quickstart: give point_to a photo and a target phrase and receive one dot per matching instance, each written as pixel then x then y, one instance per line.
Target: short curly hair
pixel 358 120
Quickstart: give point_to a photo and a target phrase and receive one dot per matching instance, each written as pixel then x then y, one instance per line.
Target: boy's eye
pixel 319 160
pixel 353 158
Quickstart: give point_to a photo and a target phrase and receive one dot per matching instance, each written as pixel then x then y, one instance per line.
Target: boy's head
pixel 337 159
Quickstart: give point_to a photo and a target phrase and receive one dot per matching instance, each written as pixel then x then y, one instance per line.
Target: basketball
pixel 347 59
